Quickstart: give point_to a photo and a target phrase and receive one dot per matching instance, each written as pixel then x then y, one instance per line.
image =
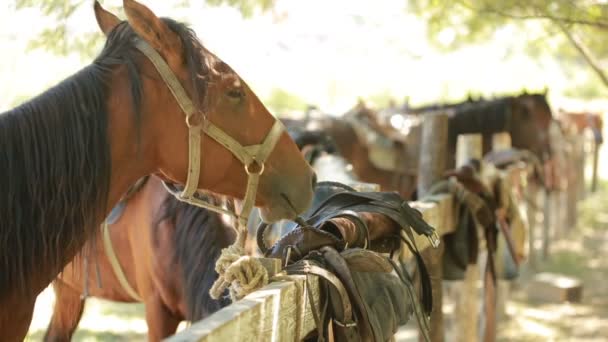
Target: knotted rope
pixel 240 273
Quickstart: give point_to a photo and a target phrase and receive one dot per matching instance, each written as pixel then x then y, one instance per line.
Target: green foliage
pixel 588 90
pixel 280 100
pixel 382 99
pixel 58 40
pixel 246 7
pixel 573 31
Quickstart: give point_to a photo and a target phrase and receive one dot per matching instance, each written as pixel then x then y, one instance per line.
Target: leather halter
pixel 250 156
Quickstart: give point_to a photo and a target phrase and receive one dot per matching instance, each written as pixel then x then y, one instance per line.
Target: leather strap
pixel 421 318
pixel 248 155
pixel 306 267
pixel 116 268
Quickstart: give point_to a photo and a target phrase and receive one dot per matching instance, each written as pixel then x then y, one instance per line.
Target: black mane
pixel 200 235
pixel 55 160
pixel 484 117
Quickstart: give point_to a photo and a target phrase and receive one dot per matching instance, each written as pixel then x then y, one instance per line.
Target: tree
pixel 572 30
pixel 281 101
pixel 58 39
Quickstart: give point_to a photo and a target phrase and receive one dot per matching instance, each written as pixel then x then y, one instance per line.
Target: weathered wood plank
pixel 278 312
pixel 502 141
pixel 433 157
pixel 596 159
pixel 467 315
pixel 551 287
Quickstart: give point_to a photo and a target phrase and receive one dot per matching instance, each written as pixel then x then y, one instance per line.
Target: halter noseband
pixel 248 155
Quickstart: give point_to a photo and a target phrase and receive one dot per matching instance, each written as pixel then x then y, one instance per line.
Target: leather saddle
pixel 366 294
pixel 486 211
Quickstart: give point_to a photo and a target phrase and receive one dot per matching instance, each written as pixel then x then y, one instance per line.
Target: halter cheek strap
pixel 250 156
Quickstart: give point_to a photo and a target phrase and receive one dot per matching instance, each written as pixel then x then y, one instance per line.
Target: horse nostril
pixel 314 180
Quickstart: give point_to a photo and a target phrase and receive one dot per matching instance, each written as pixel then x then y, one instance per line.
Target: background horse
pixel 578 123
pixel 166 250
pixel 526 117
pixel 69 154
pixel 355 150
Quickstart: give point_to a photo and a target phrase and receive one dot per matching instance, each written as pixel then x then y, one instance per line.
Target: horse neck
pixel 63 161
pixel 348 143
pixel 131 154
pixel 199 237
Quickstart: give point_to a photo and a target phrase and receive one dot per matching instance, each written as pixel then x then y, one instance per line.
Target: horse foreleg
pixel 66 313
pixel 161 321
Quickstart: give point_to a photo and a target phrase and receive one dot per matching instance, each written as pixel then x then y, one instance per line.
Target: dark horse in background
pixel 525 117
pixel 166 251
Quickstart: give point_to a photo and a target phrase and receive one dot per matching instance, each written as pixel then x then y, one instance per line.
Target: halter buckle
pixel 254 172
pixel 196 123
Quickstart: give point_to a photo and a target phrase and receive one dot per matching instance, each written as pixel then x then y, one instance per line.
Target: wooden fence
pixel 281 312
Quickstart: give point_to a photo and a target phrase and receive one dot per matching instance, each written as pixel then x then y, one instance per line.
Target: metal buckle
pixel 249 172
pixel 195 124
pixel 434 239
pixel 288 256
pixel 345 325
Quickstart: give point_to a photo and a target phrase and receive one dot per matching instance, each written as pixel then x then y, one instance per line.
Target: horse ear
pixel 546 90
pixel 106 20
pixel 150 27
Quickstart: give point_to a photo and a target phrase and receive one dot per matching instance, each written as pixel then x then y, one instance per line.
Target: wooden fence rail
pixel 281 311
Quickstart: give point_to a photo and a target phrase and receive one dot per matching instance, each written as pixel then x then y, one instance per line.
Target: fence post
pixel 532 190
pixel 433 155
pixel 596 158
pixel 467 311
pixel 501 141
pixel 582 162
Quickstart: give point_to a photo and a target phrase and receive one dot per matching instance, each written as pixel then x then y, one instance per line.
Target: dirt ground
pixel 582 253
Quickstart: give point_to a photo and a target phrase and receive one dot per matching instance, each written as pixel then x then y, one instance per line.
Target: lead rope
pixel 241 273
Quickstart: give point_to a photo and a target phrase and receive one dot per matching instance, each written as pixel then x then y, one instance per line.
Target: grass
pixel 102 321
pixel 86 335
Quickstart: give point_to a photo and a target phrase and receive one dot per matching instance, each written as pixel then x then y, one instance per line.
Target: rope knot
pixel 241 273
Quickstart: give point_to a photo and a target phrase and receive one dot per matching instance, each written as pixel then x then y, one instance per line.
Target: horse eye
pixel 235 94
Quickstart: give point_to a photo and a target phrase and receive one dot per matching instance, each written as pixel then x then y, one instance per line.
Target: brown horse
pixel 531 111
pixel 356 152
pixel 69 154
pixel 166 250
pixel 525 117
pixel 577 123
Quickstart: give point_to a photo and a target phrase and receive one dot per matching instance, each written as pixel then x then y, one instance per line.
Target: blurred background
pixel 330 54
